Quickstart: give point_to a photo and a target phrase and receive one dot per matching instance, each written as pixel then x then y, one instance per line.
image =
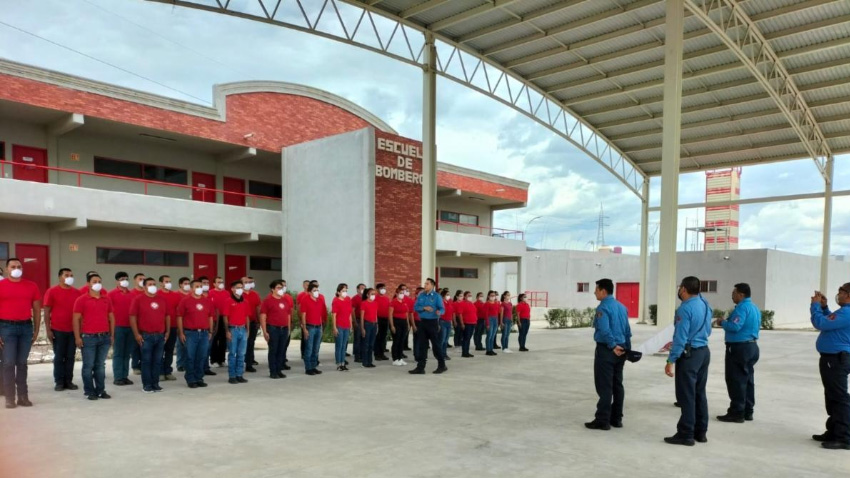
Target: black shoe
pixel 345 368
pixel 318 372
pixel 676 404
pixel 254 362
pixel 209 372
pixel 193 385
pixel 597 425
pixel 181 369
pixel 347 354
pixel 617 424
pixel 407 348
pixel 404 356
pixel 496 347
pixel 274 376
pixel 449 346
pixel 201 384
pixel 357 360
pixel 371 365
pixel 71 386
pixel 233 381
pixel 250 369
pixel 281 375
pixel 730 418
pixel 59 388
pixel 157 388
pixel 416 371
pixel 447 357
pixel 310 372
pixel 479 349
pixel 241 380
pixel 382 358
pixel 345 362
pixel 90 397
pixel 826 436
pixel 748 417
pixel 10 403
pixel 835 445
pixel 386 350
pixel 440 369
pixel 467 355
pixel 119 383
pixel 700 437
pixel 127 381
pixel 287 367
pixel 523 349
pixel 105 396
pixel 679 440
pixel 491 353
pixel 24 402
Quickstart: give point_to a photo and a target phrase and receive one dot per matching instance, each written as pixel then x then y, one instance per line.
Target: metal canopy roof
pixel 763 81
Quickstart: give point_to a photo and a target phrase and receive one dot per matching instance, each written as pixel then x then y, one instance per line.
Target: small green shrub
pixel 653 314
pixel 570 318
pixel 767 319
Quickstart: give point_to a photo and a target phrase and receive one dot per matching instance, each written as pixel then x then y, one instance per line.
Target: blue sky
pixel 181 53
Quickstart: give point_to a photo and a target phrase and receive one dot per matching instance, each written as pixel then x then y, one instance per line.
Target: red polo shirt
pixel 507 311
pixel 479 308
pixel 523 310
pixel 61 302
pixel 150 313
pixel 196 313
pixel 448 315
pixel 121 301
pixel 94 313
pixel 343 309
pixel 355 305
pixel 410 303
pixel 172 300
pixel 383 306
pixel 468 313
pixel 278 310
pixel 85 290
pixel 221 300
pixel 369 308
pixel 491 309
pixel 400 309
pixel 316 310
pixel 254 300
pixel 16 299
pixel 300 297
pixel 237 312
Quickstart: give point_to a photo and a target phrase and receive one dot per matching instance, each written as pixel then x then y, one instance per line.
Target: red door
pixel 235 268
pixel 203 186
pixel 205 265
pixel 26 160
pixel 628 293
pixel 36 263
pixel 237 186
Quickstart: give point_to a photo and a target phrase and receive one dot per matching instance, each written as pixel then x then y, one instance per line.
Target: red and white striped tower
pixel 721 222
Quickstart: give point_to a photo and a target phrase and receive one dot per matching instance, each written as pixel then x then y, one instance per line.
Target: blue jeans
pixel 168 352
pixel 506 333
pixel 17 340
pixel 357 348
pixel 341 345
pixel 152 360
pixel 64 355
pixel 136 355
pixel 278 337
pixel 124 344
pixel 491 332
pixel 236 348
pixel 445 331
pixel 197 350
pixel 367 346
pixel 524 325
pixel 311 347
pixel 95 349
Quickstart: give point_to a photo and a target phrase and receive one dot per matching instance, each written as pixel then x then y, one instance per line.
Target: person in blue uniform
pixel 612 335
pixel 833 344
pixel 691 357
pixel 742 353
pixel 430 307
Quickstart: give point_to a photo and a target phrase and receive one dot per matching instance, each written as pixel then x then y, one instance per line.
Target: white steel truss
pixel 732 25
pixel 359 23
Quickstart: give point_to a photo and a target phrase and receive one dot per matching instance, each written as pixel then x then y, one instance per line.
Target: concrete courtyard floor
pixel 513 415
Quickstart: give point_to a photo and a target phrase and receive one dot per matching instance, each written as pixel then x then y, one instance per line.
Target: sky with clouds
pixel 181 53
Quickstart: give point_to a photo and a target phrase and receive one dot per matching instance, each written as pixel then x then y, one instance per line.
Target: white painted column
pixel 670 150
pixel 429 159
pixel 644 250
pixel 827 228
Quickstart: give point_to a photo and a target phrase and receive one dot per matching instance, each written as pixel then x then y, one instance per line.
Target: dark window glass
pixel 2 151
pixel 117 168
pixel 258 188
pixel 166 175
pixel 449 216
pixel 175 259
pixel 458 273
pixel 259 263
pixel 470 273
pixel 4 253
pixel 119 256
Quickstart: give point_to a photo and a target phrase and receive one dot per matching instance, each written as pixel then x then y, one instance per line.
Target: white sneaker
pixel 507 351
pixel 395 362
pixel 402 362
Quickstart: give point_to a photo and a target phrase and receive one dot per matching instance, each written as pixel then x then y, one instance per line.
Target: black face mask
pixel 679 295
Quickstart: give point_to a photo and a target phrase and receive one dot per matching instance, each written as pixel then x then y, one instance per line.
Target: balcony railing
pixel 480 230
pixel 146 186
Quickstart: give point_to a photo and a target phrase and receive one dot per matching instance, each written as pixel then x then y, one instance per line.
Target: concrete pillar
pixel 520 277
pixel 670 150
pixel 644 250
pixel 827 227
pixel 429 159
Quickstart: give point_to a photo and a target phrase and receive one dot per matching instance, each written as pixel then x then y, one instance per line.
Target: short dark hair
pixel 63 270
pixel 312 287
pixel 273 284
pixel 139 274
pixel 361 285
pixel 432 281
pixel 520 298
pixel 606 284
pixel 203 278
pixel 744 288
pixel 164 277
pixel 92 276
pixel 150 279
pixel 118 275
pixel 10 260
pixel 691 285
pixel 340 287
pixel 182 280
pixel 380 285
pixel 235 283
pixel 194 281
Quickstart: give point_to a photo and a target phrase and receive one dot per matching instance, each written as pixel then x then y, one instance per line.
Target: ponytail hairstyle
pixel 505 293
pixel 340 287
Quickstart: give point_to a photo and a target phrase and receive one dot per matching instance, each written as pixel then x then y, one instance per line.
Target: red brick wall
pixel 277 120
pixel 398 219
pixel 481 186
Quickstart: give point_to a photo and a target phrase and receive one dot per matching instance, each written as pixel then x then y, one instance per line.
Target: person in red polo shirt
pixel 524 312
pixel 447 320
pixel 468 320
pixel 398 327
pixel 236 317
pixel 218 349
pixel 368 326
pixel 357 348
pixel 94 331
pixel 341 310
pixel 305 285
pixel 492 308
pixel 20 302
pixel 275 319
pixel 58 323
pixel 172 300
pixel 136 352
pixel 410 302
pixel 195 318
pixel 84 290
pixel 254 300
pixel 383 322
pixel 314 311
pixel 184 290
pixel 151 326
pixel 121 298
pixel 481 324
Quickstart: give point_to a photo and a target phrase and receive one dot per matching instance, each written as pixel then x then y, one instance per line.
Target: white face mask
pixel 469 299
pixel 97 287
pixel 167 285
pixel 383 291
pixel 371 296
pixel 315 294
pixel 343 294
pixel 141 283
pixel 283 291
pixel 220 286
pixel 199 290
pixel 446 298
pixel 187 288
pixel 401 295
pixel 151 289
pixel 278 292
pixel 239 292
pixel 206 287
pixel 124 283
pixel 407 293
pixel 1 277
pixel 69 281
pixel 17 273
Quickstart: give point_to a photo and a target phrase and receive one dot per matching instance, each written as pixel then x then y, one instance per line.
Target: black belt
pixel 743 342
pixel 100 334
pixel 699 348
pixel 152 333
pixel 836 354
pixel 15 322
pixel 196 330
pixel 279 326
pixel 235 326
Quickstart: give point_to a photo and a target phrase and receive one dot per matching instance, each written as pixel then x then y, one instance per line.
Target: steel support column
pixel 827 226
pixel 644 251
pixel 429 159
pixel 670 150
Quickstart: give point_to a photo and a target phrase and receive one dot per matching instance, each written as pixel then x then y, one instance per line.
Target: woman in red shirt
pixel 468 319
pixel 341 312
pixel 481 324
pixel 506 320
pixel 447 320
pixel 398 326
pixel 458 336
pixel 368 327
pixel 491 310
pixel 523 310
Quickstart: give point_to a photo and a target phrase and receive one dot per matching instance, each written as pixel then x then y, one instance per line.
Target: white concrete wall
pixel 482 284
pixel 329 210
pixel 477 244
